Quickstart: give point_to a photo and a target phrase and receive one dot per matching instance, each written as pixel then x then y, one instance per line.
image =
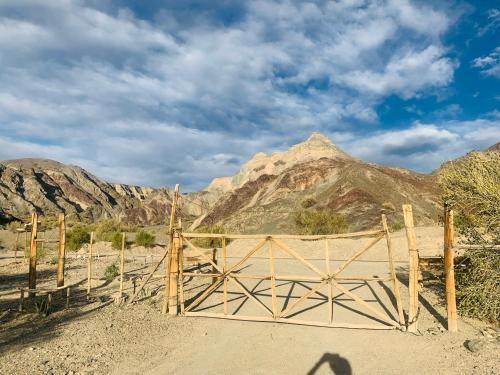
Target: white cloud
pixel 490 64
pixel 152 102
pixel 424 147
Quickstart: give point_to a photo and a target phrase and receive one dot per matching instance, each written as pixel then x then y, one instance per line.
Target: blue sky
pixel 160 92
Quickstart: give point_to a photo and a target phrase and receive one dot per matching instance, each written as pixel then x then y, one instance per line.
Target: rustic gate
pixel 318 278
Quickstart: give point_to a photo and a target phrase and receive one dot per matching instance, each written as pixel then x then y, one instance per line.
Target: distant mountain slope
pixel 46 186
pixel 268 190
pixel 49 187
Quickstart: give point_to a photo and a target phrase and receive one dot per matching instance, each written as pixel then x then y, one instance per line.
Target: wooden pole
pixel 16 246
pixel 273 280
pixel 413 273
pixel 330 285
pixel 89 265
pixel 214 260
pixel 449 271
pixel 174 274
pixel 32 264
pixel 168 263
pixel 25 253
pixel 224 268
pixel 122 264
pixel 181 275
pixel 394 280
pixel 62 251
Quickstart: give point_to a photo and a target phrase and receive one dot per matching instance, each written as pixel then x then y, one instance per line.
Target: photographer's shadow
pixel 339 365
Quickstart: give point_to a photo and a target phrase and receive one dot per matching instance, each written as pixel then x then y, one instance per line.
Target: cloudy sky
pixel 158 92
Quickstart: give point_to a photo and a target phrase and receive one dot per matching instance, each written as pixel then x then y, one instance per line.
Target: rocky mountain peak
pixel 316 147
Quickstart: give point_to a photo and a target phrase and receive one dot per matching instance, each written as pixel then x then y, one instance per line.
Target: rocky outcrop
pixel 268 190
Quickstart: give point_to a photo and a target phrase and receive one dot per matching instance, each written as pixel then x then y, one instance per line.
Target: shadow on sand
pixel 339 365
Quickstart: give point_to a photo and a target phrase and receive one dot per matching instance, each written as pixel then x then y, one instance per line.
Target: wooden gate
pixel 319 278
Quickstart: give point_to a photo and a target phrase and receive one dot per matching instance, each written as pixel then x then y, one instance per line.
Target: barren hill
pixel 262 197
pixel 268 190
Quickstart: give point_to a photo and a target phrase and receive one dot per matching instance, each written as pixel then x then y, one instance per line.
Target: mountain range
pixel 262 197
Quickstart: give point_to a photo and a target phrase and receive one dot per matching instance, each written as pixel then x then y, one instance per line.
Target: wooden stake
pixel 16 246
pixel 394 280
pixel 214 260
pixel 449 271
pixel 25 253
pixel 168 263
pixel 122 264
pixel 89 265
pixel 181 275
pixel 224 268
pixel 62 251
pixel 413 273
pixel 330 285
pixel 32 265
pixel 273 280
pixel 174 275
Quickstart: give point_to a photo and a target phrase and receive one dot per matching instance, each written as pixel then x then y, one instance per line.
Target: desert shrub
pixel 106 229
pixel 78 236
pixel 41 252
pixel 209 243
pixel 146 239
pixel 471 187
pixel 389 206
pixel 395 226
pixel 320 222
pixel 13 226
pixel 308 202
pixel 49 221
pixel 111 272
pixel 116 240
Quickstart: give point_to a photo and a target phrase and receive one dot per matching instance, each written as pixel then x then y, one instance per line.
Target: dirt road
pixel 99 337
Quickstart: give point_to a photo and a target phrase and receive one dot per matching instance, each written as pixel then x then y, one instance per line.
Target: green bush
pixel 209 243
pixel 111 272
pixel 471 187
pixel 116 240
pixel 77 237
pixel 320 222
pixel 106 229
pixel 146 239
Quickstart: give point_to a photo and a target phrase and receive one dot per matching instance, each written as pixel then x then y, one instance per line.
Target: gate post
pixel 174 274
pixel 449 272
pixel 62 251
pixel 413 263
pixel 172 262
pixel 32 264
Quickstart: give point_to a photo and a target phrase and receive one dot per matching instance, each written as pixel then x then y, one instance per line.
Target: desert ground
pixel 98 336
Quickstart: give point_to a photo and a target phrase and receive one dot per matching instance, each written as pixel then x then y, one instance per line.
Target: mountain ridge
pixel 262 196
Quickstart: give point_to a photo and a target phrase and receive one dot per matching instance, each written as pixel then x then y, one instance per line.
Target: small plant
pixel 111 272
pixel 54 259
pixel 320 222
pixel 388 206
pixel 116 241
pixel 41 253
pixel 146 239
pixel 77 237
pixel 42 306
pixel 396 226
pixel 308 202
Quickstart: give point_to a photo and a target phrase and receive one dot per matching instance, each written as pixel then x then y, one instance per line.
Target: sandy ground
pixel 100 337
